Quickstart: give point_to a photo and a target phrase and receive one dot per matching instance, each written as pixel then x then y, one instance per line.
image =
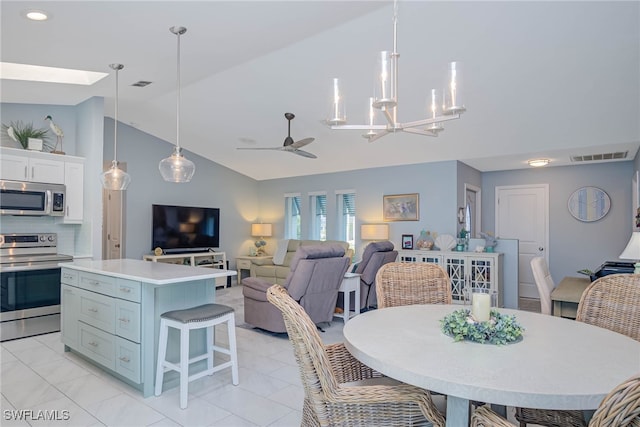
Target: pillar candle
pixel 481 306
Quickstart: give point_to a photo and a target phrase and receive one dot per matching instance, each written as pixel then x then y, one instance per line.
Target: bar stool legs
pixel 204 316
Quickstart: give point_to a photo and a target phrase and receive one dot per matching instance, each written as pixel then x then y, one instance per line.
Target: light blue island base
pixel 111 314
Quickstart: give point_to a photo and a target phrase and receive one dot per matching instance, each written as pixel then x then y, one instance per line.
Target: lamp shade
pixel 632 251
pixel 374 231
pixel 261 230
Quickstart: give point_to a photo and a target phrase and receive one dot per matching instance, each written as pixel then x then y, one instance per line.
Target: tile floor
pixel 37 375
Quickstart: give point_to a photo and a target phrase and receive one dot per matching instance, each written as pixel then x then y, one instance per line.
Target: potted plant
pixel 21 133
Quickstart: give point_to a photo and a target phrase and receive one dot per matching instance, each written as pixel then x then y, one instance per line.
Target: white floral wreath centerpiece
pixel 499 329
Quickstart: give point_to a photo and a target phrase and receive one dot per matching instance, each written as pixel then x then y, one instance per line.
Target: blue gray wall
pixel 573 245
pixel 213 186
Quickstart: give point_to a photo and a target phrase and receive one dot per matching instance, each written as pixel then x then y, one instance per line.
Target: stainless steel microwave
pixel 31 198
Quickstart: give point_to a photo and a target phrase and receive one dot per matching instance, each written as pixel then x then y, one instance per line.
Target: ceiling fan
pixel 289 146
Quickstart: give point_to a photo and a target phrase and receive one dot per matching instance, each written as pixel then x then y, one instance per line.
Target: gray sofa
pixel 277 273
pixel 314 278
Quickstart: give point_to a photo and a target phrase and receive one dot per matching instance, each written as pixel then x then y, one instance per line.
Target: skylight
pixel 37 73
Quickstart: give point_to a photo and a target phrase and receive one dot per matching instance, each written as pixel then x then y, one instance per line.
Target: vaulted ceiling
pixel 540 79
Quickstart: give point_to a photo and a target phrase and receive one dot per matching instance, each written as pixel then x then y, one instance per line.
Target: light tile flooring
pixel 38 376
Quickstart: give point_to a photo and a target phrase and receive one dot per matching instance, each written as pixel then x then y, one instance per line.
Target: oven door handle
pixel 34 266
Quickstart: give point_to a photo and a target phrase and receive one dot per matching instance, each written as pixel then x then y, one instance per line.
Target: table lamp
pixel 374 231
pixel 632 251
pixel 261 231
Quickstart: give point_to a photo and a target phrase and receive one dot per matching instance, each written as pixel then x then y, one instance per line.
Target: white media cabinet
pixel 467 270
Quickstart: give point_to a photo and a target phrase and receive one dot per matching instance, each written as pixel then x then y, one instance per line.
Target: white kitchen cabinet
pixel 101 319
pixel 36 166
pixel 25 167
pixel 467 270
pixel 115 319
pixel 70 298
pixel 74 181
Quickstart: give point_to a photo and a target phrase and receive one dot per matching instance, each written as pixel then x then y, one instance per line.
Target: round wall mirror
pixel 589 204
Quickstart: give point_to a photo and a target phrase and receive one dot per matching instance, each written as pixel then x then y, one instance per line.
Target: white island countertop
pixel 155 273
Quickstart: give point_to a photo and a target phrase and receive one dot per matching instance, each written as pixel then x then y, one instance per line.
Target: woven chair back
pixel 407 283
pixel 621 407
pixel 613 302
pixel 315 369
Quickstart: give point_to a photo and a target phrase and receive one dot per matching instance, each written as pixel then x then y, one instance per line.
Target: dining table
pixel 558 364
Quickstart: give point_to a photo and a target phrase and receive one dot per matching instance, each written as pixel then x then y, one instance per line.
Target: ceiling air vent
pixel 620 155
pixel 141 83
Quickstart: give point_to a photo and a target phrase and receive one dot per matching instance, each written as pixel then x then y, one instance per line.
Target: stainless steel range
pixel 29 284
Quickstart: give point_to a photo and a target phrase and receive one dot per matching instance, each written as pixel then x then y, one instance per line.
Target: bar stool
pixel 203 316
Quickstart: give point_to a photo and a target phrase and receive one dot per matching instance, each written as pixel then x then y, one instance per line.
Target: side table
pixel 244 263
pixel 350 283
pixel 566 296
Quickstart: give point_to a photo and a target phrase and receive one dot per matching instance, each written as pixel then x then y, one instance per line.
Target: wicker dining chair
pixel 620 408
pixel 407 283
pixel 336 385
pixel 611 302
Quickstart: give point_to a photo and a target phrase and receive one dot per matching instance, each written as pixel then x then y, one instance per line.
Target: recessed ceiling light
pixel 37 73
pixel 36 14
pixel 536 163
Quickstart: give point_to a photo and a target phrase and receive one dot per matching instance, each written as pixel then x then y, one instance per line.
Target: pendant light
pixel 177 168
pixel 115 178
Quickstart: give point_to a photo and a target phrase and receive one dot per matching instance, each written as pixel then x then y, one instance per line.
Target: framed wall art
pixel 407 241
pixel 401 207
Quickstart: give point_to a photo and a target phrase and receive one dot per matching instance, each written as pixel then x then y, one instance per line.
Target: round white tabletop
pixel 559 364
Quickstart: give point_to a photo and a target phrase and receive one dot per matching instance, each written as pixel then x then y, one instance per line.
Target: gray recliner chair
pixel 375 255
pixel 314 280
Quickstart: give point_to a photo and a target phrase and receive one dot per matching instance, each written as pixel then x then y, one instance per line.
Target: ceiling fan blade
pixel 304 154
pixel 302 142
pixel 259 148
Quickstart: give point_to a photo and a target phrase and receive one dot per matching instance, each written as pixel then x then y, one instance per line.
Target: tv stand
pixel 197 259
pixel 188 251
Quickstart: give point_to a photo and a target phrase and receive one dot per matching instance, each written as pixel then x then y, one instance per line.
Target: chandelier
pixel 441 106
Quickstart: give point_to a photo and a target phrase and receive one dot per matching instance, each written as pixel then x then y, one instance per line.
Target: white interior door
pixel 522 212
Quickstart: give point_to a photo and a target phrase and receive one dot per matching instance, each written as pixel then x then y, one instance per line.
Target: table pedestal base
pixel 457 412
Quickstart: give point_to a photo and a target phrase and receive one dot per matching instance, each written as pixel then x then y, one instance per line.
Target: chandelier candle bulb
pixel 453 100
pixel 339 113
pixel 481 306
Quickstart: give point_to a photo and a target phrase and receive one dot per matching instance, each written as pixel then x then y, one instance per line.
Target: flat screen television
pixel 185 228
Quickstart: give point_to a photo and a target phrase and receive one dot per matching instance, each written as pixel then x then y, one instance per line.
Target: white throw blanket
pixel 281 251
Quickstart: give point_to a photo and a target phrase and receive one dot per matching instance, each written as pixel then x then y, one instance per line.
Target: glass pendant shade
pixel 453 100
pixel 115 178
pixel 435 110
pixel 338 115
pixel 371 115
pixel 176 167
pixel 384 92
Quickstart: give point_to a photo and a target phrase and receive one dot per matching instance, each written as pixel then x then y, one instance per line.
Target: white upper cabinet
pixel 24 167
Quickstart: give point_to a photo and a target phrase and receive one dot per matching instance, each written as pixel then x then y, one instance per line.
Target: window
pixel 346 203
pixel 292 216
pixel 318 204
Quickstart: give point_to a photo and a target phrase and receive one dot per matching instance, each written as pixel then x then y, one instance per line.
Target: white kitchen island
pixel 111 312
